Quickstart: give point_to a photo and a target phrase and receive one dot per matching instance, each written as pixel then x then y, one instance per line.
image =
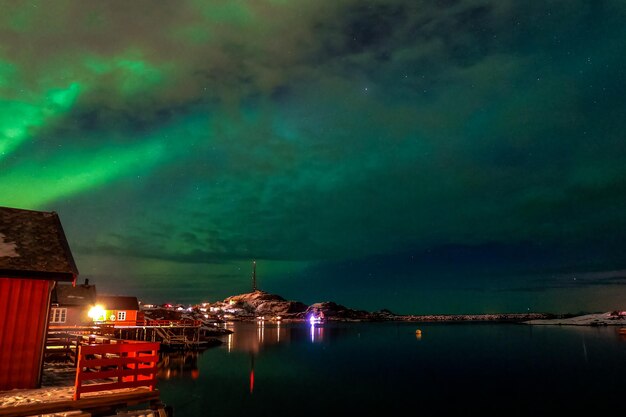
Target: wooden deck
pixel 53 400
pixel 172 334
pixel 108 377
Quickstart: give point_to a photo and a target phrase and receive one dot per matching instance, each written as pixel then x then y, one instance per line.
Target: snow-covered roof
pixel 33 245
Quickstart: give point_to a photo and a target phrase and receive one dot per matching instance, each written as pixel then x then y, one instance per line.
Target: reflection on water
pixel 251 373
pixel 179 364
pixel 387 368
pixel 317 332
pixel 250 338
pixel 254 337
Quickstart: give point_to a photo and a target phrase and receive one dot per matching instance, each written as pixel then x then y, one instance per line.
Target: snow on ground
pixel 57 385
pixel 599 319
pixel 30 396
pixel 50 394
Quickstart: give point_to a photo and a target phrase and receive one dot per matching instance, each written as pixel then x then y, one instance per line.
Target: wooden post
pixel 77 382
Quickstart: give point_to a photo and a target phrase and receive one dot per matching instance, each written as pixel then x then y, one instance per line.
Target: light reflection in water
pixel 259 335
pixel 247 337
pixel 178 364
pixel 250 338
pixel 317 333
pixel 251 374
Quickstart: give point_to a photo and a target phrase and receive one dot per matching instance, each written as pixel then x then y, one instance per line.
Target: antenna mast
pixel 253 275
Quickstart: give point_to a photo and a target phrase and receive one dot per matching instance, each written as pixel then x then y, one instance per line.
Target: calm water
pixel 500 369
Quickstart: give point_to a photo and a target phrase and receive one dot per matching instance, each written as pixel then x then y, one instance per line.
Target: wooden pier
pixel 96 404
pixel 111 375
pixel 172 334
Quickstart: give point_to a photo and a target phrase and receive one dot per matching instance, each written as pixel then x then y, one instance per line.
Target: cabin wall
pixel 24 305
pixel 131 318
pixel 76 316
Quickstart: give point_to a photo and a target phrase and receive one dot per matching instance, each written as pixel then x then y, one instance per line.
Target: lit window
pixel 121 315
pixel 58 315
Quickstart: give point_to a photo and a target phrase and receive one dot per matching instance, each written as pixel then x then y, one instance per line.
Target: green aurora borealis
pixel 424 156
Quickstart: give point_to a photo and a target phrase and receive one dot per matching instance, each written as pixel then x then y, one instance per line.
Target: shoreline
pixel 433 318
pixel 589 320
pixel 537 319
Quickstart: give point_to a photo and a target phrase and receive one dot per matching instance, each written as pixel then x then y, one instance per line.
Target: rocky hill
pixel 334 311
pixel 261 303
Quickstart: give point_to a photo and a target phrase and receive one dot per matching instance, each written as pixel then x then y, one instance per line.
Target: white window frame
pixel 58 315
pixel 121 315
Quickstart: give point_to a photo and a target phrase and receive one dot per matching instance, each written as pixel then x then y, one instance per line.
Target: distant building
pixel 71 305
pixel 119 311
pixel 34 256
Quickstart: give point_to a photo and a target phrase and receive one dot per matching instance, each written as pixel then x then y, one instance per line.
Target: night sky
pixel 423 156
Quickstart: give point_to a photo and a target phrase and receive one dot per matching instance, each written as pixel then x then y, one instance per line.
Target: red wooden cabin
pixel 34 255
pixel 119 310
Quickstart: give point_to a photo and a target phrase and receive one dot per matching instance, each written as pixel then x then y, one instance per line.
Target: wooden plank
pixel 90 402
pixel 117 373
pixel 90 363
pixel 117 385
pixel 120 348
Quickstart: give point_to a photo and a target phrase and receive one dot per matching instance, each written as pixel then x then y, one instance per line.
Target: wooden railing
pixel 61 346
pixel 100 329
pixel 94 339
pixel 131 364
pixel 64 345
pixel 179 323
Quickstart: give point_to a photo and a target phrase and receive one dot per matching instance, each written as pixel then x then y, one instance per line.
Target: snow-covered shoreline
pixel 597 319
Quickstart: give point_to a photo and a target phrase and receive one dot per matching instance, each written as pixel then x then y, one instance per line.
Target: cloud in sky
pixel 311 134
